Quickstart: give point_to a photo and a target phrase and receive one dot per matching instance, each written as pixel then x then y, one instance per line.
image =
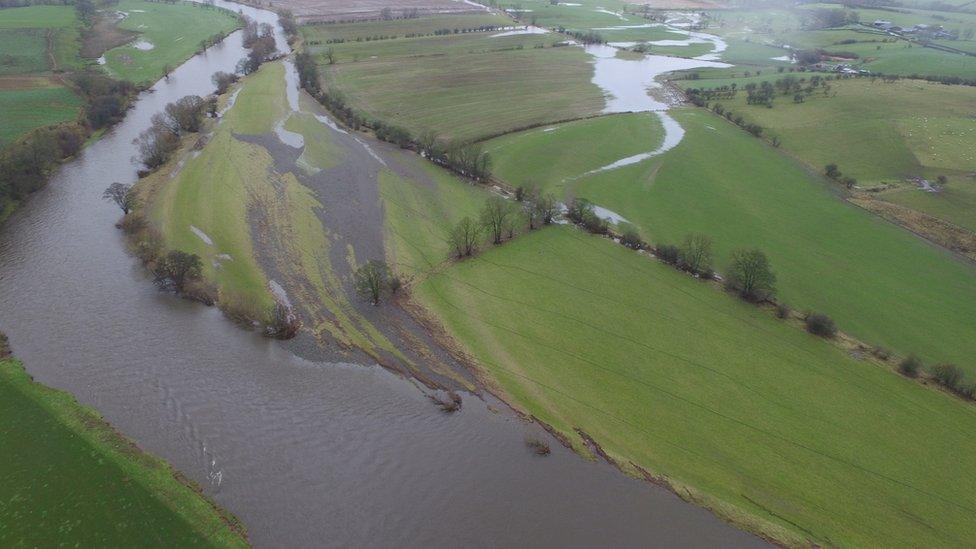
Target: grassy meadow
pixel 452 84
pixel 881 134
pixel 34 41
pixel 400 28
pixel 879 282
pixel 174 30
pixel 213 191
pixel 771 427
pixel 67 477
pixel 553 158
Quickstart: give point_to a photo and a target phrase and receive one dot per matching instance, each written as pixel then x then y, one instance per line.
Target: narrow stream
pixel 307 454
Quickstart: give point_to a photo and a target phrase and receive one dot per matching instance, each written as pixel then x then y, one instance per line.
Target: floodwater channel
pixel 307 454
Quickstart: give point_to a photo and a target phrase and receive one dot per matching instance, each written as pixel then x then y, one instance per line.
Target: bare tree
pixel 464 237
pixel 696 254
pixel 372 280
pixel 546 208
pixel 750 275
pixel 122 195
pixel 494 216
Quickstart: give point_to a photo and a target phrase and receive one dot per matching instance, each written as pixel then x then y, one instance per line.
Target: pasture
pixel 174 32
pixel 451 85
pixel 881 134
pixel 770 427
pixel 34 41
pixel 880 283
pixel 67 477
pixel 400 28
pixel 553 158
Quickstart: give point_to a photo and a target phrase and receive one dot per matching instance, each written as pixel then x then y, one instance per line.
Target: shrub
pixel 910 366
pixel 4 346
pixel 447 401
pixel 947 375
pixel 630 237
pixel 284 324
pixel 668 253
pixel 881 353
pixel 782 310
pixel 539 447
pixel 821 325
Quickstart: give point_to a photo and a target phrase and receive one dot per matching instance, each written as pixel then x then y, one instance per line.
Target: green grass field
pixel 456 92
pixel 775 429
pixel 401 27
pixel 214 190
pixel 68 478
pixel 37 17
pixel 34 41
pixel 879 282
pixel 880 133
pixel 552 158
pixel 906 59
pixel 22 110
pixel 24 51
pixel 174 30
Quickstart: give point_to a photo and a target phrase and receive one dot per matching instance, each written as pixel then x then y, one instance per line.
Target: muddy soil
pixel 352 216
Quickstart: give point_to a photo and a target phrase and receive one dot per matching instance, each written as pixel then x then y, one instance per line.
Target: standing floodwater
pixel 307 454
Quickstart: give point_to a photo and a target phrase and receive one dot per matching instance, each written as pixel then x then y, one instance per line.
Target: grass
pixel 551 158
pixel 31 39
pixel 457 92
pixel 37 17
pixel 24 51
pixel 906 59
pixel 174 30
pixel 68 477
pixel 429 47
pixel 22 110
pixel 955 203
pixel 881 133
pixel 775 429
pixel 419 217
pixel 580 17
pixel 401 27
pixel 214 191
pixel 879 282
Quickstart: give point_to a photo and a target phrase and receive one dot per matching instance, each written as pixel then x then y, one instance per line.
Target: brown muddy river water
pixel 307 454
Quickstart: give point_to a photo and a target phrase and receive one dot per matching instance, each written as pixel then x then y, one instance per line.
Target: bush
pixel 782 310
pixel 947 375
pixel 881 353
pixel 4 346
pixel 630 237
pixel 668 253
pixel 821 325
pixel 910 367
pixel 539 447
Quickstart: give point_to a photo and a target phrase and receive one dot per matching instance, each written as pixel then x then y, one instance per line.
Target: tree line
pixel 26 164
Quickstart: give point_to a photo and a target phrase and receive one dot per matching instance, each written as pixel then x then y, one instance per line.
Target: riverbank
pixel 68 477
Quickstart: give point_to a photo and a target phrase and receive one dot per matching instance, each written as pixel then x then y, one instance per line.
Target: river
pixel 306 454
